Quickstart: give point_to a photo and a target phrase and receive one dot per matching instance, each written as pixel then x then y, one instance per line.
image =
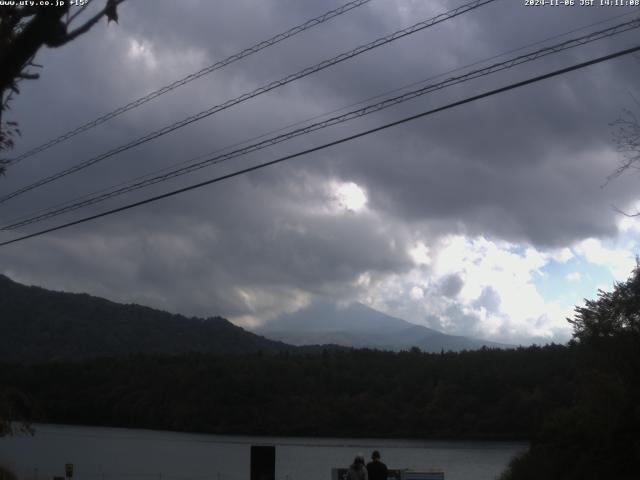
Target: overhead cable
pixel 330 144
pixel 497 67
pixel 191 77
pixel 310 119
pixel 271 86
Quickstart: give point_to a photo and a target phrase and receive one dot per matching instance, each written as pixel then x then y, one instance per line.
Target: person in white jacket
pixel 357 470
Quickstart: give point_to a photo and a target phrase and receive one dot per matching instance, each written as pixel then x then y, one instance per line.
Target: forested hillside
pixel 483 394
pixel 42 325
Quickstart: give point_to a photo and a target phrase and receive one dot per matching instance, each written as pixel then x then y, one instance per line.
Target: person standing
pixel 376 469
pixel 357 470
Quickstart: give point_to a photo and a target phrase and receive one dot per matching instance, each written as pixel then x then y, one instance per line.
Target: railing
pixel 39 474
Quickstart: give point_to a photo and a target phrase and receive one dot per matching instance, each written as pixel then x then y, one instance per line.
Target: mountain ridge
pixel 37 325
pixel 40 325
pixel 356 325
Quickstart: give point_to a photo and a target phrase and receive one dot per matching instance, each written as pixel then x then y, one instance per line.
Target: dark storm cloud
pixel 489 300
pixel 268 245
pixel 451 285
pixel 525 166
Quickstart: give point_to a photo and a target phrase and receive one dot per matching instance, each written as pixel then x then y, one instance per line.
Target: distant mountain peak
pixel 323 315
pixel 358 325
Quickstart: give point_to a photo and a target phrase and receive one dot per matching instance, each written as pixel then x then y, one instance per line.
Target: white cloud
pixel 416 293
pixel 348 196
pixel 420 254
pixel 497 298
pixel 265 305
pixel 142 52
pixel 620 261
pixel 573 276
pixel 562 255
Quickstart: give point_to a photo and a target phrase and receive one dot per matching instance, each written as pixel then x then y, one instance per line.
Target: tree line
pixel 490 394
pixel 598 435
pixel 578 404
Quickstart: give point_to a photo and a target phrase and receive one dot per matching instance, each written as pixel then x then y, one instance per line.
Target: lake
pixel 126 454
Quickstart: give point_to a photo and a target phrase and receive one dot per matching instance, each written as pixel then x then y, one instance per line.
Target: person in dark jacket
pixel 376 469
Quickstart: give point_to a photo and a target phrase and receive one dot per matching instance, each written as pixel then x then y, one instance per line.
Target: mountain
pixel 357 325
pixel 42 325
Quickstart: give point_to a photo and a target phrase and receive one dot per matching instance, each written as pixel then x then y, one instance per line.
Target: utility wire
pixel 333 143
pixel 497 67
pixel 309 119
pixel 302 122
pixel 271 86
pixel 189 78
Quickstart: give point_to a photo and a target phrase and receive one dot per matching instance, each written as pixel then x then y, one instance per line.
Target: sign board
pixel 68 470
pixel 263 462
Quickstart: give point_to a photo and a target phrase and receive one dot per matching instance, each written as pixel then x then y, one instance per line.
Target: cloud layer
pixel 454 221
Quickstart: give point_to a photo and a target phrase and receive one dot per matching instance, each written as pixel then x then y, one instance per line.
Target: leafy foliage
pixel 626 137
pixel 597 436
pixel 612 315
pixel 15 407
pixel 24 30
pixel 491 394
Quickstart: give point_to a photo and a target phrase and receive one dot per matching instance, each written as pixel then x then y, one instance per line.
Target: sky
pixel 493 219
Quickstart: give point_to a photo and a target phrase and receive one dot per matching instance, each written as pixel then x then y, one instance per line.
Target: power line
pixel 331 144
pixel 497 67
pixel 189 78
pixel 302 122
pixel 271 86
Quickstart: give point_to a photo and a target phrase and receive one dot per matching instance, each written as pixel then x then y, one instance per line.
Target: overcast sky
pixel 489 219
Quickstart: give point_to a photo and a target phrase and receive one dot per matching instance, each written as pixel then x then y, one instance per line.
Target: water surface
pixel 126 454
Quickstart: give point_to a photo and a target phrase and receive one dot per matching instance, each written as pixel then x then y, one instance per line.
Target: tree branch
pixel 628 215
pixel 80 10
pixel 108 11
pixel 45 28
pixel 29 76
